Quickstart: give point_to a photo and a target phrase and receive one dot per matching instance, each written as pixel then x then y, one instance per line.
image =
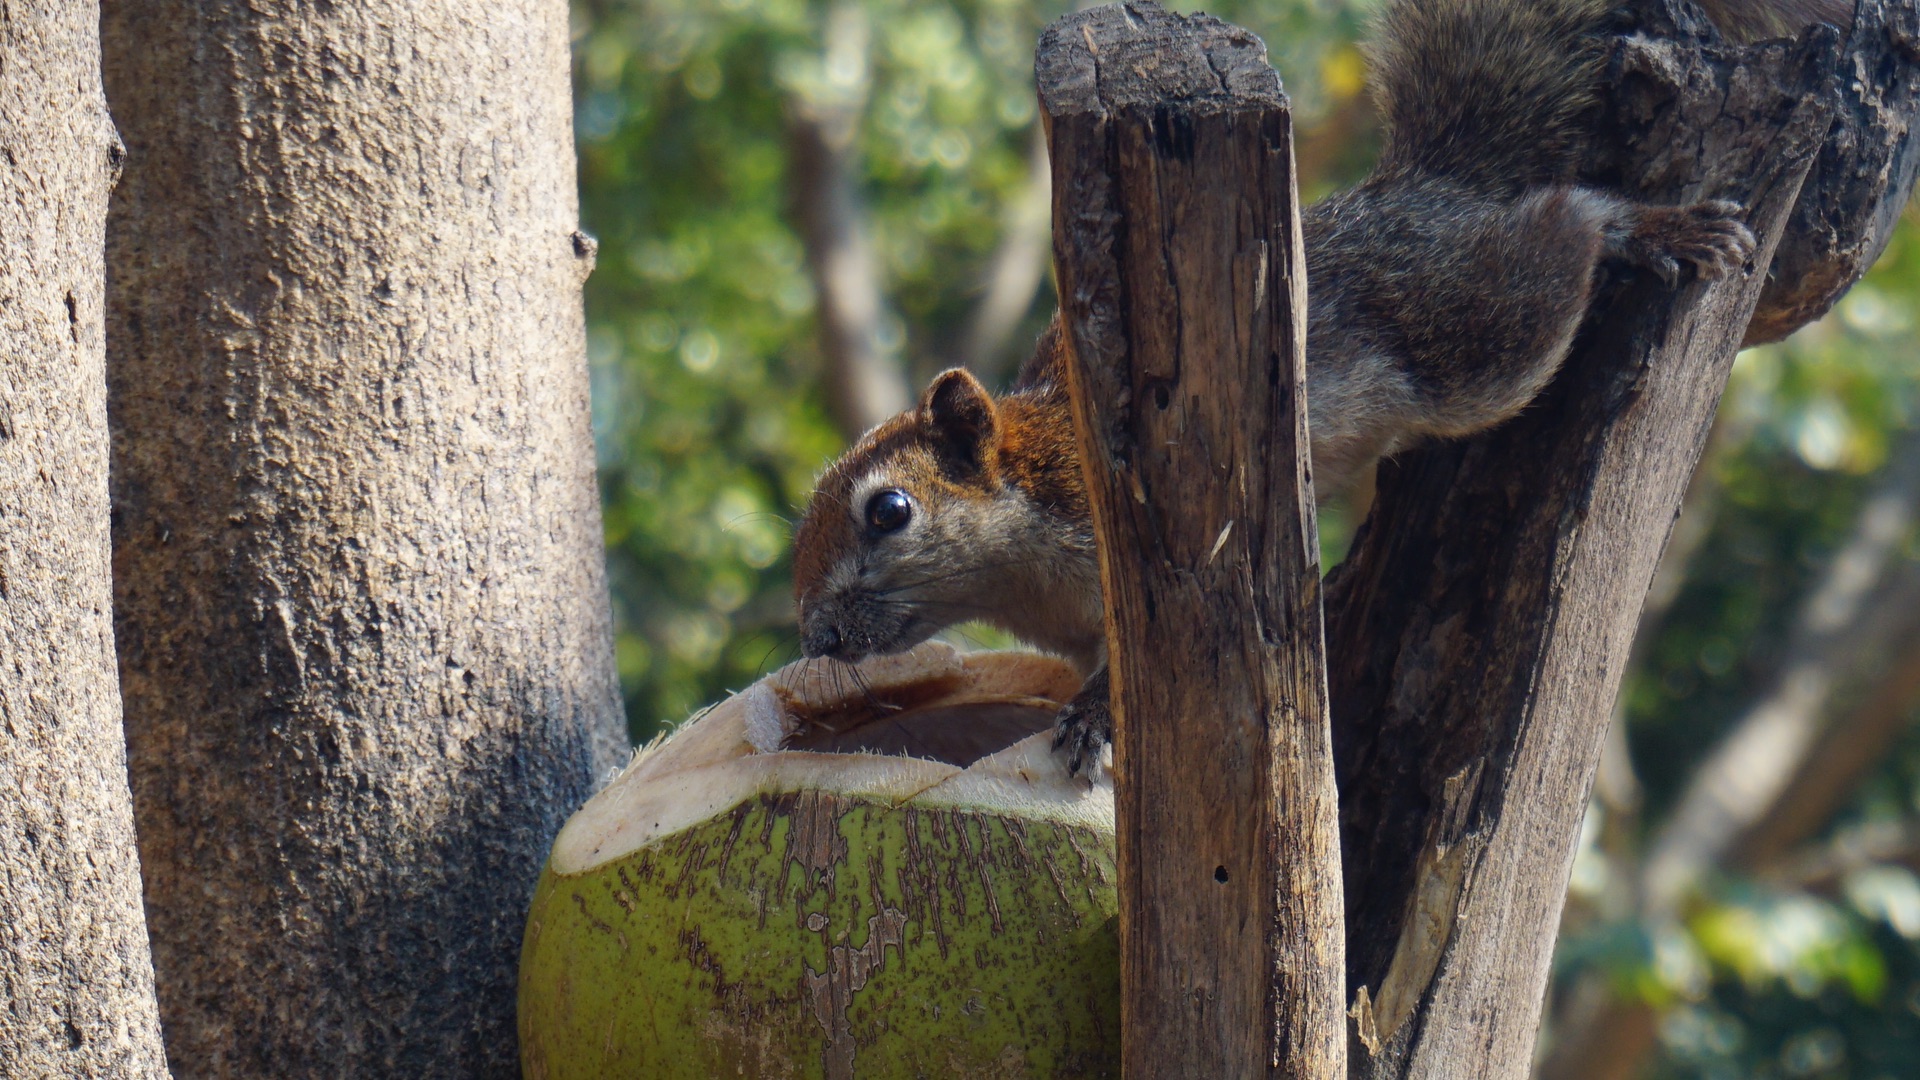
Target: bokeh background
pixel 805 208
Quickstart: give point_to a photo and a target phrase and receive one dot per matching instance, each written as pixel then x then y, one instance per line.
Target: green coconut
pixel 873 873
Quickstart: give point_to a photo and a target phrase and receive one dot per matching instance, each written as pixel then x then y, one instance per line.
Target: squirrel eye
pixel 889 511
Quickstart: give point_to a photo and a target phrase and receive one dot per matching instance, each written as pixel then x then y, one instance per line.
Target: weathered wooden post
pixel 1177 242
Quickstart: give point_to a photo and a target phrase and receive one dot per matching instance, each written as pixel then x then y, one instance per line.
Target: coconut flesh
pixel 881 871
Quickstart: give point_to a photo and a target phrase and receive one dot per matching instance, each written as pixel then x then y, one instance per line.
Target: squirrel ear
pixel 962 416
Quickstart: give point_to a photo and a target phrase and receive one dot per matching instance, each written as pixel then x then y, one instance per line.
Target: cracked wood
pixel 1177 240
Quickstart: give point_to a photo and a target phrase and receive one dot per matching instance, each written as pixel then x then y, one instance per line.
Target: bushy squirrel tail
pixel 1493 93
pixel 1489 93
pixel 1750 19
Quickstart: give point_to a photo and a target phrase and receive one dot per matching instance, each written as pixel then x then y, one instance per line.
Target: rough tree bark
pixel 76 980
pixel 364 629
pixel 1480 626
pixel 1858 187
pixel 1177 238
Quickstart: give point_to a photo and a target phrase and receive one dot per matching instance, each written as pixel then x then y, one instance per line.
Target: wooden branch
pixel 1177 241
pixel 1858 187
pixel 1480 628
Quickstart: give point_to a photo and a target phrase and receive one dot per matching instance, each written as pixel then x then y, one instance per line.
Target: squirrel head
pixel 900 528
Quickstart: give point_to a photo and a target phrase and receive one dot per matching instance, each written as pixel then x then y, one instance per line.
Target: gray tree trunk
pixel 360 594
pixel 76 979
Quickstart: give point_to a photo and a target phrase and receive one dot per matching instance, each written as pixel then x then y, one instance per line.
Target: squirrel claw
pixel 1081 739
pixel 1084 727
pixel 1716 242
pixel 1708 236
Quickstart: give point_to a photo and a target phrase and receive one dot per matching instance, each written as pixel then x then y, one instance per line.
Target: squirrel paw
pixel 1708 236
pixel 1084 727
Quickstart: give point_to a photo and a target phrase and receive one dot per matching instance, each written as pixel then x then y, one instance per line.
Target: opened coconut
pixel 879 871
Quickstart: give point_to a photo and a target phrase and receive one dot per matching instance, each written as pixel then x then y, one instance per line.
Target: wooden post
pixel 1177 241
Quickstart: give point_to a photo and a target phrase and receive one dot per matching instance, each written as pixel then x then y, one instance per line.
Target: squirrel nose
pixel 821 641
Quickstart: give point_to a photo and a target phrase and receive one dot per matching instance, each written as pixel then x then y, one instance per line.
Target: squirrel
pixel 1443 292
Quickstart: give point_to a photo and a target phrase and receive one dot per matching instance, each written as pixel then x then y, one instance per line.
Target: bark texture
pixel 1177 237
pixel 1859 185
pixel 360 594
pixel 76 979
pixel 1481 624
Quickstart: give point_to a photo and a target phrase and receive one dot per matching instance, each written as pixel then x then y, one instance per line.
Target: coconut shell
pixel 733 906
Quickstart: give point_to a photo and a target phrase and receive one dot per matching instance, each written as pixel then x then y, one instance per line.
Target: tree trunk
pixel 76 979
pixel 1479 629
pixel 1183 286
pixel 360 594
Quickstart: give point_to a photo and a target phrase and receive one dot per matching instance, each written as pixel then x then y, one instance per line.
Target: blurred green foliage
pixel 707 405
pixel 711 427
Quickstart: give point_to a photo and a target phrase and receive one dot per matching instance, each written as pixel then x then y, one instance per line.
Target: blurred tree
pixel 713 417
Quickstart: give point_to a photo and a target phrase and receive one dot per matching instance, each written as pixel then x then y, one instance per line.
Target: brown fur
pixel 1443 293
pixel 999 512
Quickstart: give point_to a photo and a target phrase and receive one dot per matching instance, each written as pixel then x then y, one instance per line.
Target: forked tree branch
pixel 1479 630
